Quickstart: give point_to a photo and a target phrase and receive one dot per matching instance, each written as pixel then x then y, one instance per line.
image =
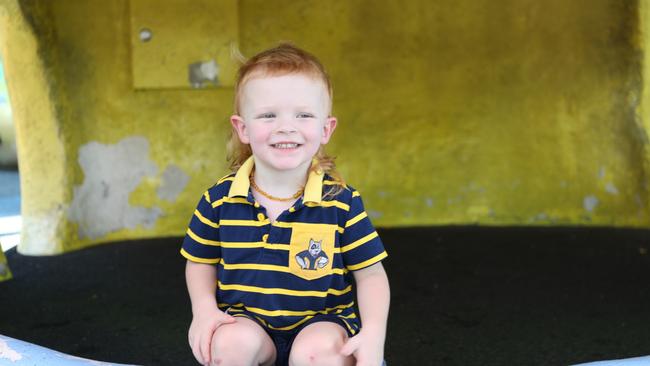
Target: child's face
pixel 285 119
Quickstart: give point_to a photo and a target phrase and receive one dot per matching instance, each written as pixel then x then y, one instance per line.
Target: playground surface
pixel 460 296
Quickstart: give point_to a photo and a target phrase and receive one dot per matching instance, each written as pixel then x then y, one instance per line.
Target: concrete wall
pixel 508 112
pixel 8 157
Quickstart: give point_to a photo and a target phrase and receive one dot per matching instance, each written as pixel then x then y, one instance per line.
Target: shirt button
pixel 261 217
pixel 265 237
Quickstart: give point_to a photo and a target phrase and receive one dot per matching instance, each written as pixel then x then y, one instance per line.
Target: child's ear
pixel 238 124
pixel 328 129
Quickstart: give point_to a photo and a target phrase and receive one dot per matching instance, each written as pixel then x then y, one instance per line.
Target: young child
pixel 282 241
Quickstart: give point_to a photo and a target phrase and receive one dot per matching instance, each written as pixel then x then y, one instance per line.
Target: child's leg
pixel 242 343
pixel 320 344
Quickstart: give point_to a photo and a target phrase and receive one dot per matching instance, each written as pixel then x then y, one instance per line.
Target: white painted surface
pixel 100 204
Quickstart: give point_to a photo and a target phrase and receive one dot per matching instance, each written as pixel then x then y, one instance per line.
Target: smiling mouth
pixel 285 146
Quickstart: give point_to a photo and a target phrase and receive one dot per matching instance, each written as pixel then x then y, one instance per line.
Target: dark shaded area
pixel 461 296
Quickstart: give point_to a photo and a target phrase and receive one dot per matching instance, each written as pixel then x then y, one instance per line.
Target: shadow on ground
pixel 460 296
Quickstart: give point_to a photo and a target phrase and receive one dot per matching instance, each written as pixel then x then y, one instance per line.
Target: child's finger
pixel 225 320
pixel 350 346
pixel 229 319
pixel 205 348
pixel 364 362
pixel 196 350
pixel 197 354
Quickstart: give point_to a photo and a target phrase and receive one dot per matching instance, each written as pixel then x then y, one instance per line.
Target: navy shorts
pixel 283 339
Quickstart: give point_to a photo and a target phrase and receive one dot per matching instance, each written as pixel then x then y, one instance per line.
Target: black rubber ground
pixel 460 296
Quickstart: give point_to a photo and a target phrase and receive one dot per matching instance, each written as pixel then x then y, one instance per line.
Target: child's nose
pixel 286 125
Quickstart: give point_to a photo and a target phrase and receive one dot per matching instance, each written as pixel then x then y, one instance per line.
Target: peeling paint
pixel 515 184
pixel 589 203
pixel 203 72
pixel 542 216
pixel 453 200
pixel 611 188
pixel 100 204
pixel 40 232
pixel 374 214
pixel 601 172
pixel 173 183
pixel 638 201
pixel 429 202
pixel 472 187
pixel 478 211
pixel 7 353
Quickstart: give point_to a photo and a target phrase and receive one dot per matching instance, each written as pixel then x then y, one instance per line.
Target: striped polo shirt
pixel 286 272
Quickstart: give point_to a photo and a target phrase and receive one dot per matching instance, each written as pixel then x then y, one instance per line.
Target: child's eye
pixel 266 116
pixel 305 115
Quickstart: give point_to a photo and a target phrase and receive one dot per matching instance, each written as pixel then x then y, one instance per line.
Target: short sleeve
pixel 201 243
pixel 360 244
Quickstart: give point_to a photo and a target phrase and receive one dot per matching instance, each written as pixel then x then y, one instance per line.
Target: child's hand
pixel 367 349
pixel 204 324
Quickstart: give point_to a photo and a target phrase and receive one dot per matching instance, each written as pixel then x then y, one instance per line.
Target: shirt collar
pixel 241 185
pixel 313 188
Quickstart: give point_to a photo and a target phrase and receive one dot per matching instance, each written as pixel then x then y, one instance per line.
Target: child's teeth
pixel 286 146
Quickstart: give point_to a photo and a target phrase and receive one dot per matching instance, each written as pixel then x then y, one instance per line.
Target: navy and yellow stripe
pixel 230 230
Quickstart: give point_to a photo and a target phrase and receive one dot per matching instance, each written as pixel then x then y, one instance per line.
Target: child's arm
pixel 373 295
pixel 201 284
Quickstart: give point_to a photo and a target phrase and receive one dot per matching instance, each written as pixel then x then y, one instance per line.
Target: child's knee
pixel 234 344
pixel 312 349
pixel 315 354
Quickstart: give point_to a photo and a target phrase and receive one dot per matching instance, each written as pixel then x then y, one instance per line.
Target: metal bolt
pixel 145 34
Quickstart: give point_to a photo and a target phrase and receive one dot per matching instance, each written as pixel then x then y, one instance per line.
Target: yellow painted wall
pixel 507 112
pixel 643 112
pixel 5 271
pixel 42 147
pixel 8 157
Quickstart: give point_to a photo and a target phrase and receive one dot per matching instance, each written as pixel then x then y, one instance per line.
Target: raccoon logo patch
pixel 312 258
